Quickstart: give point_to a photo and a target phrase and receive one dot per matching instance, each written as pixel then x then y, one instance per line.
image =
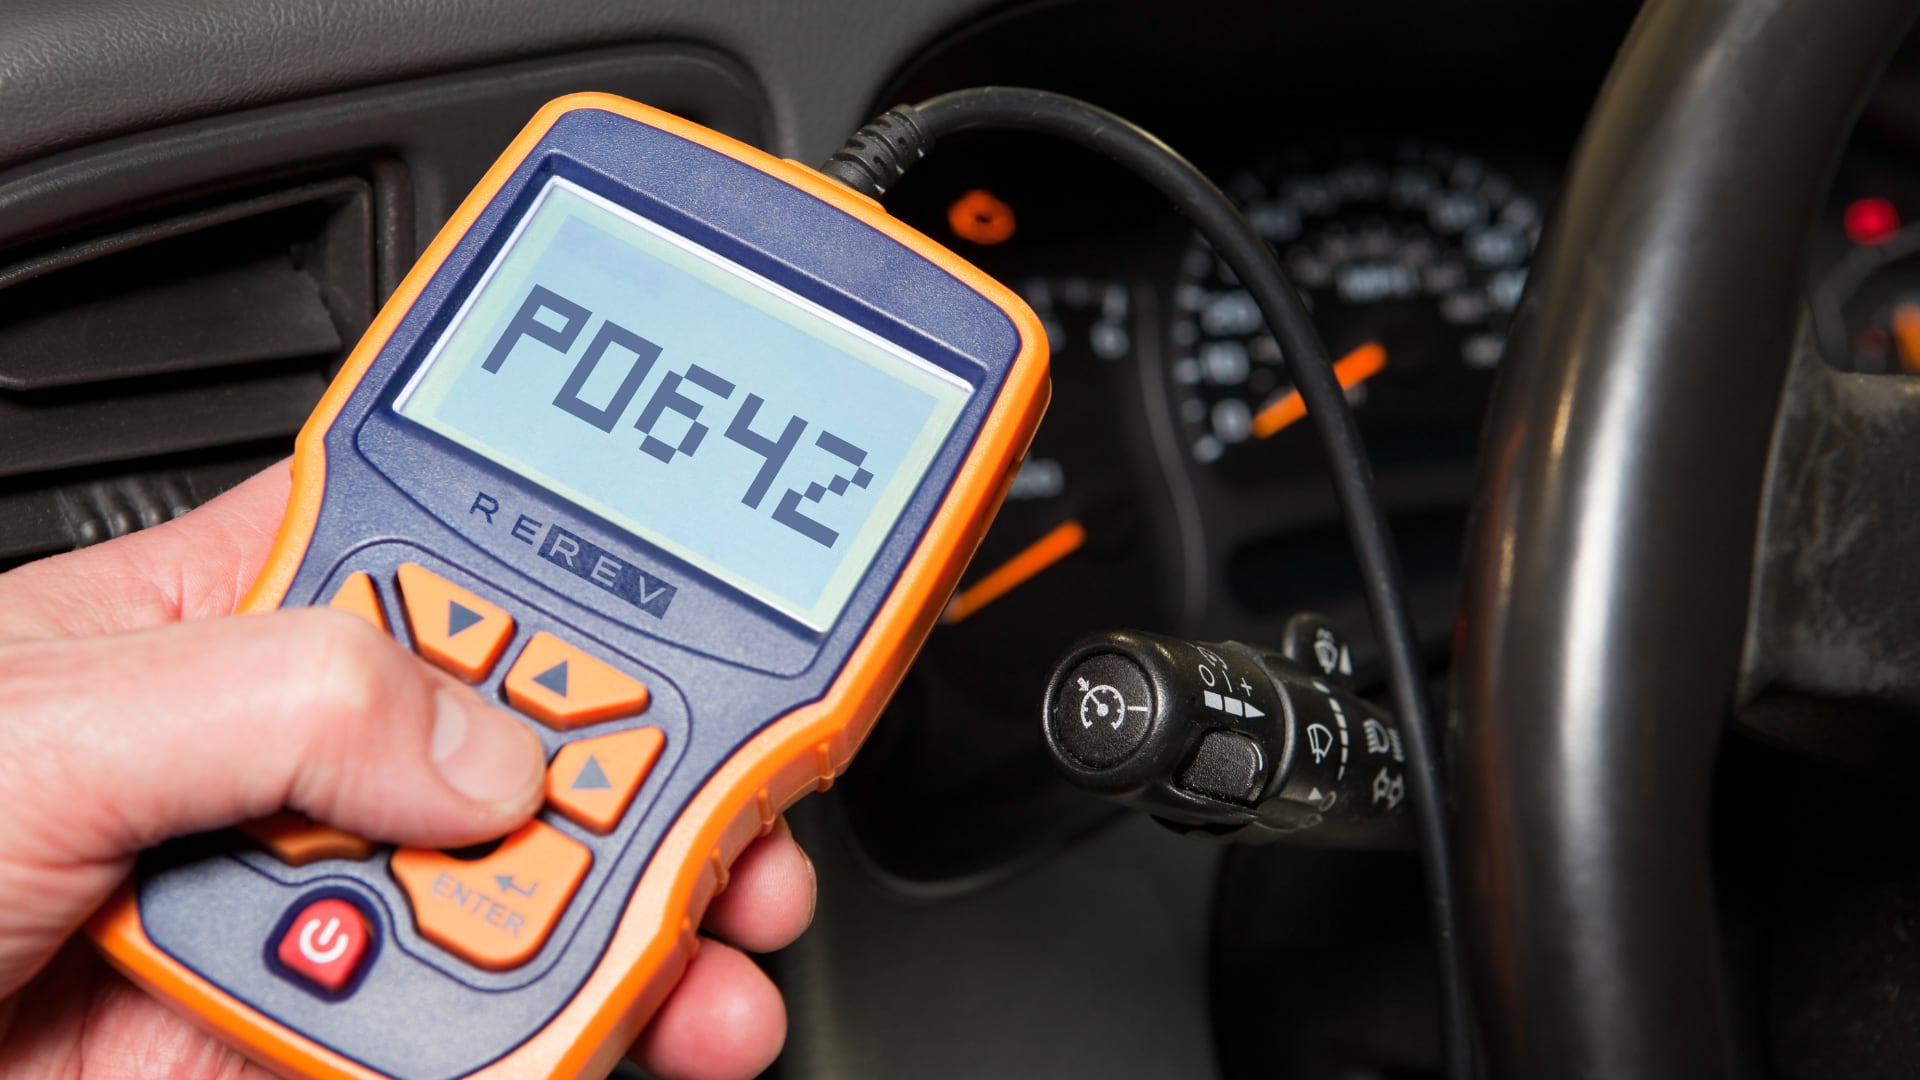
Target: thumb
pixel 119 742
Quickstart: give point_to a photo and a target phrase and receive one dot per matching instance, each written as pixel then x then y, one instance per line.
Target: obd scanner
pixel 676 450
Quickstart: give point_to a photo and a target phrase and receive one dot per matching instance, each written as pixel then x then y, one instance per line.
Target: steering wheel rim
pixel 1612 543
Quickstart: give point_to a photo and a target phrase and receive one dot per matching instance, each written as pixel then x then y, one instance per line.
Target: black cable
pixel 882 151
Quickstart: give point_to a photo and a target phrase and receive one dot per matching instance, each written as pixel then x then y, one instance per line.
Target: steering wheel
pixel 1617 597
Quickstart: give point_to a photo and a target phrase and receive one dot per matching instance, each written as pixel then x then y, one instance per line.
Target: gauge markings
pixel 1352 369
pixel 1062 541
pixel 1420 248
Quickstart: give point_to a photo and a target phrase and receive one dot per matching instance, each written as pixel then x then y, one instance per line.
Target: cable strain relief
pixel 880 153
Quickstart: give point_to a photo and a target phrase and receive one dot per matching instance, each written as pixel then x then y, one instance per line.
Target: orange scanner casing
pixel 714 702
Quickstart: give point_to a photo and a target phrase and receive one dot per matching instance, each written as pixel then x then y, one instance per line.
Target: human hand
pixel 115 742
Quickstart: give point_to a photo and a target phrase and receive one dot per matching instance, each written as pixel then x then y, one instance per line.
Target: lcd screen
pixel 687 400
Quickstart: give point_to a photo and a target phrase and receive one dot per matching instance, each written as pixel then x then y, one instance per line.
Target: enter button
pixel 495 911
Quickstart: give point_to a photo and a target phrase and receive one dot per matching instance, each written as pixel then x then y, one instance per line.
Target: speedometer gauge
pixel 1412 262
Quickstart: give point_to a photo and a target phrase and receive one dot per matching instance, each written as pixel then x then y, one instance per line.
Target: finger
pixel 198 725
pixel 724 1021
pixel 770 895
pixel 196 565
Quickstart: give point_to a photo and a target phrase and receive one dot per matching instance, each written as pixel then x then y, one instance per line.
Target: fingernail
pixel 483 753
pixel 813 888
pixel 813 872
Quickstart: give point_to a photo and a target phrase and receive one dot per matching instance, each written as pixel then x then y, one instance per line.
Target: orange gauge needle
pixel 1063 541
pixel 1352 369
pixel 1906 330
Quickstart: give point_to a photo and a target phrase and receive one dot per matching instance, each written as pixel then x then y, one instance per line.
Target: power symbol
pixel 328 945
pixel 325 943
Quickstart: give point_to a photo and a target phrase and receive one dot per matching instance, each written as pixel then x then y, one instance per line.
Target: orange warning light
pixel 981 217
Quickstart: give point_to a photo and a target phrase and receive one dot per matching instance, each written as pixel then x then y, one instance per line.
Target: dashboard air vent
pixel 198 340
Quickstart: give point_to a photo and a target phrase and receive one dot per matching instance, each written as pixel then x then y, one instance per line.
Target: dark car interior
pixel 203 203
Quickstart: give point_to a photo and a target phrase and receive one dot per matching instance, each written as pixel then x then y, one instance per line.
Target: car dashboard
pixel 199 215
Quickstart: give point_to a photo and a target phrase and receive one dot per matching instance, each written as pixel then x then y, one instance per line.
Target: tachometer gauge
pixel 1412 262
pixel 1071 548
pixel 1865 264
pixel 955 785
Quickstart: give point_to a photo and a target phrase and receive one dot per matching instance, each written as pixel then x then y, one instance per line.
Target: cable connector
pixel 881 152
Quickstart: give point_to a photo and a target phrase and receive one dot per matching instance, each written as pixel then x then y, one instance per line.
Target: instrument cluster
pixel 1176 485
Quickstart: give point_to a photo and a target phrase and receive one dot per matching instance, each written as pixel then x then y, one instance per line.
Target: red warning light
pixel 1871 221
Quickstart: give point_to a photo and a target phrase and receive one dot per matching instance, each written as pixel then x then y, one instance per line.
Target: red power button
pixel 326 943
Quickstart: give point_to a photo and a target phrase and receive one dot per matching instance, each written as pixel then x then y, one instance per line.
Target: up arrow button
pixel 563 687
pixel 592 777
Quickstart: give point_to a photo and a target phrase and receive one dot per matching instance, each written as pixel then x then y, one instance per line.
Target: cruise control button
pixel 495 911
pixel 357 595
pixel 297 840
pixel 452 627
pixel 564 687
pixel 592 781
pixel 1103 710
pixel 325 943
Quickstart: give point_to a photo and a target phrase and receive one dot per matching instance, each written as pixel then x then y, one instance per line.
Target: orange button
pixel 563 687
pixel 452 627
pixel 593 780
pixel 358 596
pixel 297 840
pixel 495 911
